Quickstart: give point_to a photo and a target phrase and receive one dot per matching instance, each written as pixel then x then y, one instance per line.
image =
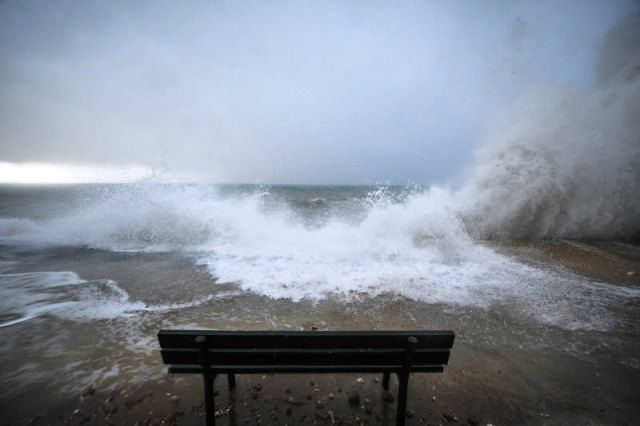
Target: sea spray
pixel 408 243
pixel 563 166
pixel 566 161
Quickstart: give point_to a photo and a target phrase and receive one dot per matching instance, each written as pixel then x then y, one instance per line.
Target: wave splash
pixel 565 165
pixel 414 245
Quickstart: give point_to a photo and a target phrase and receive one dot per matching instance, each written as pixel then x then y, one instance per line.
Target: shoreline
pixel 505 368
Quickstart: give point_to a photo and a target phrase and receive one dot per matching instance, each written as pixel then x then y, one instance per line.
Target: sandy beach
pixel 505 368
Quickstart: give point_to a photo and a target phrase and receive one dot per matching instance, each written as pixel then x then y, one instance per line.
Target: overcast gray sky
pixel 298 92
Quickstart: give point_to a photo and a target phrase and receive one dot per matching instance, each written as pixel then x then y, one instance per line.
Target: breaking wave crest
pixel 413 244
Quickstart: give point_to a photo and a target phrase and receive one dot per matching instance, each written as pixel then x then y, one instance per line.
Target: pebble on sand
pixel 450 416
pixel 88 392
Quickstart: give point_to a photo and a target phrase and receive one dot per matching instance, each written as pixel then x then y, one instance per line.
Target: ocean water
pixel 90 273
pixel 299 243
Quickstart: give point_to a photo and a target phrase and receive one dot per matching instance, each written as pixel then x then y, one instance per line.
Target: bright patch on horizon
pixel 48 173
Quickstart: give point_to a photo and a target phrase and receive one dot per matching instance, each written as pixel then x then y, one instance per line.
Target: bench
pixel 209 353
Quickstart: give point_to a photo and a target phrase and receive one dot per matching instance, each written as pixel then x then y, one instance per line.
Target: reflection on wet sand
pixel 510 364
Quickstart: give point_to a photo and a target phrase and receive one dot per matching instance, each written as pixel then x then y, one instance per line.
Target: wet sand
pixel 505 368
pixel 608 261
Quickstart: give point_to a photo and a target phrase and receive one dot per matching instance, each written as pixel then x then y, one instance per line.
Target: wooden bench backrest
pixel 304 350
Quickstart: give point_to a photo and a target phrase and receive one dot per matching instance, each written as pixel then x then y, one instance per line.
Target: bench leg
pixel 209 407
pixel 385 381
pixel 232 381
pixel 402 399
pixel 403 378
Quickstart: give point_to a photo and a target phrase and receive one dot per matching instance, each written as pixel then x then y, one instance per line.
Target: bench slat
pixel 250 369
pixel 328 356
pixel 306 339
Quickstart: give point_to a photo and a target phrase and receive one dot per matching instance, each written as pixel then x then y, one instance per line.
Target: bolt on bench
pixel 210 353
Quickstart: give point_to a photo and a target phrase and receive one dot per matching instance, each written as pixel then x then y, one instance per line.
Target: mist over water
pixel 563 164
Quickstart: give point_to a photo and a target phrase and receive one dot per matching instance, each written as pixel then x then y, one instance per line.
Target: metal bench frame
pixel 210 352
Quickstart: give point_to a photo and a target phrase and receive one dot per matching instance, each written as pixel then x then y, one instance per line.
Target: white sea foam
pixel 418 248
